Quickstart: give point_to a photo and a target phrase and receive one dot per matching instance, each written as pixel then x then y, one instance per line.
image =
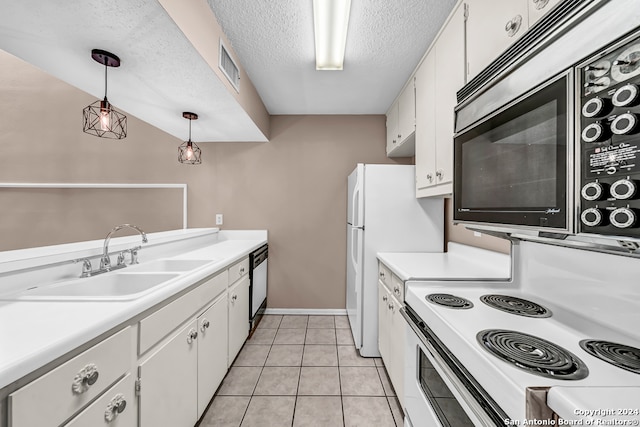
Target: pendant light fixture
pixel 188 152
pixel 100 118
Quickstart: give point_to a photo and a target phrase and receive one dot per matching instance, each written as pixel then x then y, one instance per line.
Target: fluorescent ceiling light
pixel 331 20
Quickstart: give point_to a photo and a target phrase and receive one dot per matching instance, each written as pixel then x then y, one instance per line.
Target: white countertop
pixel 596 405
pixel 34 333
pixel 460 262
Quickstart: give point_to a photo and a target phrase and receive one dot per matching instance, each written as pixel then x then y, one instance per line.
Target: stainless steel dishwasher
pixel 257 286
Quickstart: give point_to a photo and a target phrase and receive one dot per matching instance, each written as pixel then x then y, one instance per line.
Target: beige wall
pixel 294 186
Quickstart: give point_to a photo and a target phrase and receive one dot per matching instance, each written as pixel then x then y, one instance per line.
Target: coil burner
pixel 514 305
pixel 619 355
pixel 451 301
pixel 533 354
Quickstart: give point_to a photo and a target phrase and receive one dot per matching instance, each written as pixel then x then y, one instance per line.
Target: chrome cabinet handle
pixel 399 136
pixel 440 174
pixel 116 406
pixel 540 4
pixel 382 274
pixel 85 378
pixel 513 25
pixel 385 298
pixel 396 290
pixel 390 306
pixel 205 325
pixel 193 334
pixel 241 270
pixel 234 298
pixel 430 177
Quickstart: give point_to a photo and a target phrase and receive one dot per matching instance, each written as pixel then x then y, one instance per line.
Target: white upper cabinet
pixel 437 80
pixel 492 26
pixel 401 124
pixel 425 122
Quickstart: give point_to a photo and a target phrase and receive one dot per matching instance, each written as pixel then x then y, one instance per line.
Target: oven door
pixel 514 166
pixel 440 392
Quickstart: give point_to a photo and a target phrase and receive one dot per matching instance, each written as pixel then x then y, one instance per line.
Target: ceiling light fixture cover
pixel 330 22
pixel 188 152
pixel 100 118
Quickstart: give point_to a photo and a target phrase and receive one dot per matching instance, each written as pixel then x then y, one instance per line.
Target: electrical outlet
pixel 477 234
pixel 219 219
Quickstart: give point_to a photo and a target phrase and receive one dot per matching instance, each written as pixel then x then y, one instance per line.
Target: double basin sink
pixel 130 283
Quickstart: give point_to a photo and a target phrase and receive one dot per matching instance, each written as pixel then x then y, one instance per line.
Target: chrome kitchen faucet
pixel 105 260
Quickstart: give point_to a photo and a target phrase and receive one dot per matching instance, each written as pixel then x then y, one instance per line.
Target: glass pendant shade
pixel 188 152
pixel 100 118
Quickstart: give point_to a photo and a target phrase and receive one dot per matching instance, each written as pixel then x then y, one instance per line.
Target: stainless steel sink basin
pixel 170 265
pixel 107 287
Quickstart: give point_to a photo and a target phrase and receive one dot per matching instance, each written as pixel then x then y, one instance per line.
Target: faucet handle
pixel 86 267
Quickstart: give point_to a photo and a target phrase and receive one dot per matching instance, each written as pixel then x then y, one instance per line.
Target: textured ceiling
pixel 275 43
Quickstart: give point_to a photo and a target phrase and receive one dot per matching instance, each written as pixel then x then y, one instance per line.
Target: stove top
pixel 541 348
pixel 533 354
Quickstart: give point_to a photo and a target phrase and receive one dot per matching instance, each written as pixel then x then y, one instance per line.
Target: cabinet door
pixel 383 322
pixel 492 26
pixel 238 316
pixel 397 346
pixel 212 350
pixel 407 112
pixel 392 127
pixel 168 394
pixel 449 72
pixel 537 8
pixel 425 122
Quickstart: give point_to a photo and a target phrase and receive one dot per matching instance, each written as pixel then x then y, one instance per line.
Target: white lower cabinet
pixel 116 408
pixel 212 350
pixel 238 316
pixel 168 381
pixel 391 333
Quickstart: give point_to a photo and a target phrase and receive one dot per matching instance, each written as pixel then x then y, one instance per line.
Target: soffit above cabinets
pixel 161 74
pixel 275 43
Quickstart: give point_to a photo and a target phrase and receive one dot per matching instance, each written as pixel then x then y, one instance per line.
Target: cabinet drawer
pixel 104 411
pixel 384 274
pixel 238 270
pixel 159 324
pixel 51 399
pixel 397 288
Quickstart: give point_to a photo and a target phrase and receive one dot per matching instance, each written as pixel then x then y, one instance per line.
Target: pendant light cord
pixel 105 80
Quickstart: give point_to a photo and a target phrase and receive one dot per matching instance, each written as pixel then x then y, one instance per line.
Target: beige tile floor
pixel 304 371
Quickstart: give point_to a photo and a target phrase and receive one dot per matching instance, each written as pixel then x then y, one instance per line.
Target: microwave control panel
pixel 609 108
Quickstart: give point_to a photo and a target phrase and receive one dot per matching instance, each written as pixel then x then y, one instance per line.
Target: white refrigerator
pixel 383 215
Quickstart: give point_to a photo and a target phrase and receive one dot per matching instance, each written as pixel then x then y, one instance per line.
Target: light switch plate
pixel 219 219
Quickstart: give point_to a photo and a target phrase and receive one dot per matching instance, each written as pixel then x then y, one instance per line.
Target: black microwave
pixel 513 167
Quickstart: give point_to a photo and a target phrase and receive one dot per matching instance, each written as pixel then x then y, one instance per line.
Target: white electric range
pixel 460 357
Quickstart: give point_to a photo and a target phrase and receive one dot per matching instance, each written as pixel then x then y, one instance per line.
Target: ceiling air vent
pixel 229 68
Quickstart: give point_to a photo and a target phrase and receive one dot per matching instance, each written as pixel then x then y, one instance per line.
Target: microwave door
pixel 512 167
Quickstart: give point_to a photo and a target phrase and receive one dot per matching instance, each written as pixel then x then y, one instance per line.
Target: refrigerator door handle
pixel 354 246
